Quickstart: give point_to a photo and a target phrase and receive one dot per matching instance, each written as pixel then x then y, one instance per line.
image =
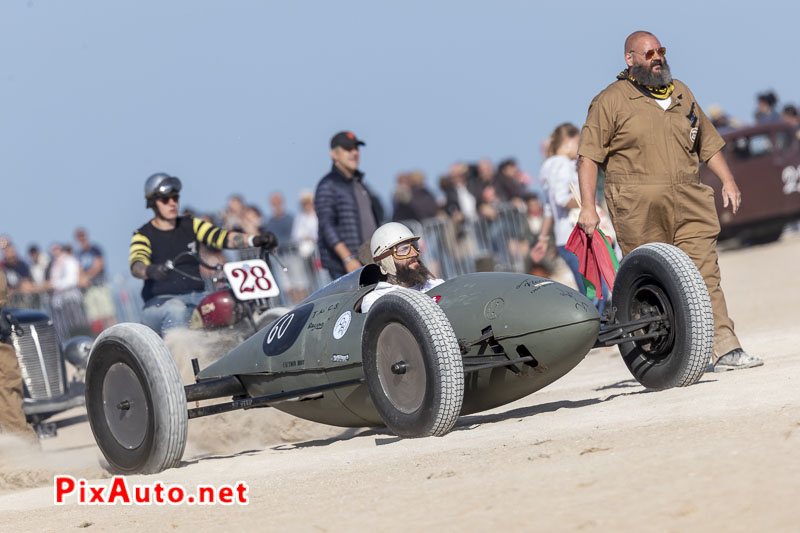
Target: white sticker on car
pixel 341 325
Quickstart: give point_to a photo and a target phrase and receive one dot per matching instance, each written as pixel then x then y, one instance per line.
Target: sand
pixel 593 452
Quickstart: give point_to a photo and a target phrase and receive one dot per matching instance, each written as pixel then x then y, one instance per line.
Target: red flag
pixel 594 256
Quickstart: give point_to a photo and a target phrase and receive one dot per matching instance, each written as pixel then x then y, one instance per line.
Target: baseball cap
pixel 346 139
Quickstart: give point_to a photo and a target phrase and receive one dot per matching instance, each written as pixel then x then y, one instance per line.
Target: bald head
pixel 634 37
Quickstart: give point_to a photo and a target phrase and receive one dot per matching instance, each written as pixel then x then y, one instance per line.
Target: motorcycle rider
pixel 170 297
pixel 395 249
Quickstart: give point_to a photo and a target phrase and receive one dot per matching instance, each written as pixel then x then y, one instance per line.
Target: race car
pixel 414 363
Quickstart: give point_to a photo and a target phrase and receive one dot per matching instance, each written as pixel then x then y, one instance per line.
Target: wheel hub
pixel 651 300
pixel 125 406
pixel 401 368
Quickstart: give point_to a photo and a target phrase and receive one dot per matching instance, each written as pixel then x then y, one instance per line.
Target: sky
pixel 243 96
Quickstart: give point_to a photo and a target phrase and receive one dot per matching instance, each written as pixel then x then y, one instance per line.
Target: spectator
pixel 557 174
pixel 348 212
pixel 789 114
pixel 423 202
pixel 39 264
pixel 97 300
pixel 18 275
pixel 719 118
pixel 412 199
pixel 251 221
pixel 233 214
pixel 507 184
pixel 300 263
pixel 765 107
pixel 66 302
pixel 479 177
pixel 280 223
pixel 402 208
pixel 306 225
pixel 539 261
pixel 460 203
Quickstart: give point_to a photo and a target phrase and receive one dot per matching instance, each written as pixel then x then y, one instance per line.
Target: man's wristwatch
pixel 348 259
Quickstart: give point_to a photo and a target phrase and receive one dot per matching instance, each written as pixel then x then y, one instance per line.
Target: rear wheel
pixel 135 400
pixel 412 364
pixel 658 279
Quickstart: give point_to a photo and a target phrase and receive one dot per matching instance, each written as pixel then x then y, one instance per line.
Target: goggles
pixel 401 251
pixel 167 188
pixel 649 54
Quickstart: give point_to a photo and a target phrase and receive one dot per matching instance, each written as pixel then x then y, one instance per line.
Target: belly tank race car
pixel 413 363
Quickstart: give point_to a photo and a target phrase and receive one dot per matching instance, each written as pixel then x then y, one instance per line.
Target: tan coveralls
pixel 12 419
pixel 651 159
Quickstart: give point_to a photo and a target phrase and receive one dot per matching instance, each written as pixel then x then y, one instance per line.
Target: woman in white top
pixel 561 209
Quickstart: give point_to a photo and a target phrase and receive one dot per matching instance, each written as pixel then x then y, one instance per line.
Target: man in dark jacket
pixel 348 212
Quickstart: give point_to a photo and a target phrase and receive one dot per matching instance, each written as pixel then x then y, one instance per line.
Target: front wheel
pixel 135 400
pixel 412 364
pixel 658 279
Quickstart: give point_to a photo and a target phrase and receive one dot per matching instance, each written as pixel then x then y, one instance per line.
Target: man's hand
pixel 265 240
pixel 539 250
pixel 588 219
pixel 352 264
pixel 730 192
pixel 157 272
pixel 731 195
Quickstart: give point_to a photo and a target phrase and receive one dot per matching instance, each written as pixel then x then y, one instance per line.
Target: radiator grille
pixel 39 357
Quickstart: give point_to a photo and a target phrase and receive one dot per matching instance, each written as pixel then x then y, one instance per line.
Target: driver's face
pixel 167 207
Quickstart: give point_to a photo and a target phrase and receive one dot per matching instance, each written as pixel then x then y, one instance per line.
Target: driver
pixel 170 297
pixel 395 249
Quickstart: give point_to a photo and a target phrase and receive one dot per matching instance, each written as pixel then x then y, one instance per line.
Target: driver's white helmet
pixel 384 240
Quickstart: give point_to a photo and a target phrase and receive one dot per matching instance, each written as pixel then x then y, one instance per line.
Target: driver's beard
pixel 412 277
pixel 645 76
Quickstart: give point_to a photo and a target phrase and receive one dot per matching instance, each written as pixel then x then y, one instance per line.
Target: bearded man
pixel 395 249
pixel 648 133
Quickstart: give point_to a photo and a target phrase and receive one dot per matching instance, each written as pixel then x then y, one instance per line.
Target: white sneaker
pixel 737 359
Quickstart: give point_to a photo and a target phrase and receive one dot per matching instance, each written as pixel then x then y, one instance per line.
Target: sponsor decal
pixel 207 308
pixel 436 298
pixel 340 357
pixel 341 325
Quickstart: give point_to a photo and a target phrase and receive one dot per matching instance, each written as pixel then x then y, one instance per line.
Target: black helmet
pixel 160 185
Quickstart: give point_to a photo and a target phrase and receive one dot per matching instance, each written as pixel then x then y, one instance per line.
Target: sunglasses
pixel 649 54
pixel 166 199
pixel 402 251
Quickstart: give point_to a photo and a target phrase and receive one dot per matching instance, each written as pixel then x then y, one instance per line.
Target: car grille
pixel 39 357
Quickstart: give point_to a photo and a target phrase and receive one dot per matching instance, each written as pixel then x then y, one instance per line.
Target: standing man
pixel 648 133
pixel 12 417
pixel 348 212
pixel 169 297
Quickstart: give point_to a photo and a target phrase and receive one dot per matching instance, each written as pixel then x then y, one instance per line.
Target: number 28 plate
pixel 251 279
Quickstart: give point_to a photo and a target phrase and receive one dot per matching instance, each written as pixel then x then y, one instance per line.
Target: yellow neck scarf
pixel 659 93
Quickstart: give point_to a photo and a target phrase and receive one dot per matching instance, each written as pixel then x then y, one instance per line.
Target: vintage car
pixel 765 160
pixel 48 387
pixel 413 363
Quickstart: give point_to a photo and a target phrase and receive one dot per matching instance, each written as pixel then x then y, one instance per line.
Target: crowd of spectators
pixel 69 282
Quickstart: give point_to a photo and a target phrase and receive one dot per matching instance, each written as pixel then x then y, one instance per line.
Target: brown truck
pixel 765 160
